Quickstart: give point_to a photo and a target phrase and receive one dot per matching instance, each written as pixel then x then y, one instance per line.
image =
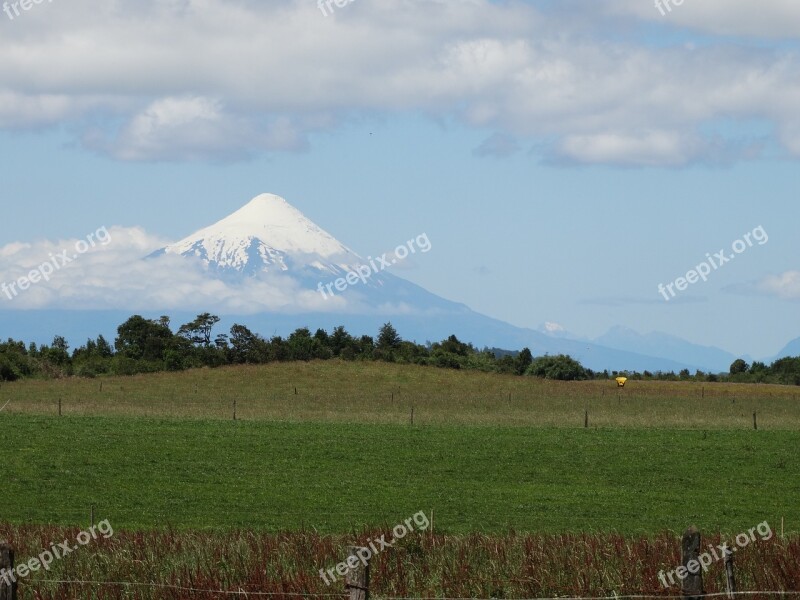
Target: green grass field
pixel 486 452
pixel 334 477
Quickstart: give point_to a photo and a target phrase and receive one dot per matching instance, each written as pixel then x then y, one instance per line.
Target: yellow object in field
pixel 621 381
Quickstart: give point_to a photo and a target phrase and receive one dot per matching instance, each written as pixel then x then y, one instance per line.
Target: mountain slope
pixel 790 349
pixel 662 345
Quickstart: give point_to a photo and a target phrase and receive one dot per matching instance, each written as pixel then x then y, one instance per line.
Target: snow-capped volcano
pixel 266 235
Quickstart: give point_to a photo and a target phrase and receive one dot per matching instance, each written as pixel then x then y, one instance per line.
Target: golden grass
pixel 366 392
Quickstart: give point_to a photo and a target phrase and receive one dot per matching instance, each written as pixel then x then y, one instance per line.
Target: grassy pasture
pixel 380 393
pixel 162 450
pixel 335 477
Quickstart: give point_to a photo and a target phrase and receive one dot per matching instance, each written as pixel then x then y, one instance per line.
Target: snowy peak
pixel 276 223
pixel 267 234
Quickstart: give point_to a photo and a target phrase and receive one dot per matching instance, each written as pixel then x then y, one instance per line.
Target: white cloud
pixel 115 276
pixel 193 128
pixel 648 149
pixel 207 79
pixel 785 285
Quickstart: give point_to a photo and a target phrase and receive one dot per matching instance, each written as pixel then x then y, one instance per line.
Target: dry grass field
pixel 380 393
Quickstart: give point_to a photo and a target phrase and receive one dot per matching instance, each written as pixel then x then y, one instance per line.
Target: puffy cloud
pixel 193 128
pixel 207 79
pixel 650 148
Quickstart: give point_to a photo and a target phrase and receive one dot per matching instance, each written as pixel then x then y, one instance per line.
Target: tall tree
pixel 739 366
pixel 139 338
pixel 247 347
pixel 388 338
pixel 523 361
pixel 199 330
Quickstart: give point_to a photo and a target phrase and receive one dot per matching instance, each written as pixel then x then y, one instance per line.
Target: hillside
pixel 370 392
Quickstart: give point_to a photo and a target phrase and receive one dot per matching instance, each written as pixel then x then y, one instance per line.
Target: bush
pixel 445 360
pixel 173 360
pixel 124 366
pixel 86 370
pixel 560 367
pixel 7 370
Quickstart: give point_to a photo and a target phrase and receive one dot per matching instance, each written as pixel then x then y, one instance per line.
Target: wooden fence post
pixel 692 586
pixel 8 587
pixel 357 578
pixel 730 579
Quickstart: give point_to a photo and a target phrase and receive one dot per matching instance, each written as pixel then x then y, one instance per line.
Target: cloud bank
pixel 613 83
pixel 115 276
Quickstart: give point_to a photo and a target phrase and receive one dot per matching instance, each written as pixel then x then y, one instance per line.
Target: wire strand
pixel 317 595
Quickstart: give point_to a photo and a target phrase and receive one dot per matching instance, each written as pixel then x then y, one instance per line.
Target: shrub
pixel 561 367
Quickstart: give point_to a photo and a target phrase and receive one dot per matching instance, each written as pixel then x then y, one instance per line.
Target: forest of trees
pixel 146 346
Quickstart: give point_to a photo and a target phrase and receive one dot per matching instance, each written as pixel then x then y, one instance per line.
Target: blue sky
pixel 563 158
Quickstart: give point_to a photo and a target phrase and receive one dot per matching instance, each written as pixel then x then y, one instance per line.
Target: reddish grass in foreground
pixel 477 566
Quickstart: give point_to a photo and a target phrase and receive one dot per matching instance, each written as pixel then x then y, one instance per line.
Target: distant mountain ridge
pixel 790 349
pixel 662 345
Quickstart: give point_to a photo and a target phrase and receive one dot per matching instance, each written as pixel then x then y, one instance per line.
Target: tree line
pixel 150 345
